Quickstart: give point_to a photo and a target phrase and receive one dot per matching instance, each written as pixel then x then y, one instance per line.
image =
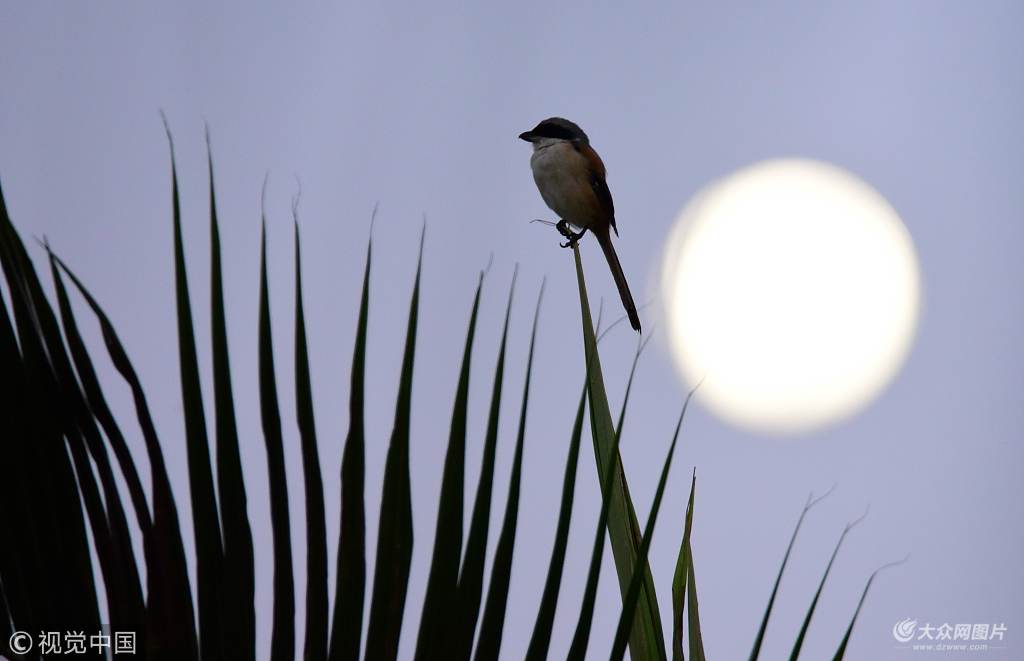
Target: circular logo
pixel 903 630
pixel 20 642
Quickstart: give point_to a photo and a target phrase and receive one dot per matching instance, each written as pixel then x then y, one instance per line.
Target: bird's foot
pixel 573 237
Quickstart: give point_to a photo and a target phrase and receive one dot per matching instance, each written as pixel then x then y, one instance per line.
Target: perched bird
pixel 571 179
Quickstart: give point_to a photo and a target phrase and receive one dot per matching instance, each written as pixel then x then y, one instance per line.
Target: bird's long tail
pixel 605 239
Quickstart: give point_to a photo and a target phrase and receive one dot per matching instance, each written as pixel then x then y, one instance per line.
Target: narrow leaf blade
pixel 841 652
pixel 205 520
pixel 540 641
pixel 631 600
pixel 395 533
pixel 170 630
pixel 756 651
pixel 580 640
pixel 315 647
pixel 692 610
pixel 239 615
pixel 821 586
pixel 347 622
pixel 493 622
pixel 282 641
pixel 647 640
pixel 471 578
pixel 679 580
pixel 439 603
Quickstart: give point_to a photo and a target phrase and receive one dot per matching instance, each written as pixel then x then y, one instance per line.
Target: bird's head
pixel 552 130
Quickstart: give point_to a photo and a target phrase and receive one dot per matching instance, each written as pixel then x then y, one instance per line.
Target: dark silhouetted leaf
pixel 811 502
pixel 540 641
pixel 282 643
pixel 841 652
pixel 493 623
pixel 205 520
pixel 817 595
pixel 394 537
pixel 315 647
pixel 347 622
pixel 238 614
pixel 439 603
pixel 62 590
pixel 170 630
pixel 471 578
pixel 117 562
pixel 97 402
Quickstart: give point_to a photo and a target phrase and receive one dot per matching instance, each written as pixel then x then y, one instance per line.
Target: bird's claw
pixel 573 237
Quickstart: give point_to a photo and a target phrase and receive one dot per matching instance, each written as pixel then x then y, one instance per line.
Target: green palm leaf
pixel 841 652
pixel 811 502
pixel 580 640
pixel 679 580
pixel 631 600
pixel 647 640
pixel 821 586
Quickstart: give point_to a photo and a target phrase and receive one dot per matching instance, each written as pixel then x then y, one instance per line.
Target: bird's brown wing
pixel 598 183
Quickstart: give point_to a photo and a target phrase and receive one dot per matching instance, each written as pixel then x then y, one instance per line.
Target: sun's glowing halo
pixel 791 287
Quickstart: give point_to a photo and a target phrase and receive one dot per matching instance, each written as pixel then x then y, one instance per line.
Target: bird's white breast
pixel 563 178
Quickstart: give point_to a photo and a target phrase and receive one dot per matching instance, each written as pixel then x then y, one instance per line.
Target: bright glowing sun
pixel 792 288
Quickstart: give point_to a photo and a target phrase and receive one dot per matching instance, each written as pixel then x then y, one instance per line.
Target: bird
pixel 571 178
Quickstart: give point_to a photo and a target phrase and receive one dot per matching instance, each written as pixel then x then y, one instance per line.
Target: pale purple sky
pixel 418 108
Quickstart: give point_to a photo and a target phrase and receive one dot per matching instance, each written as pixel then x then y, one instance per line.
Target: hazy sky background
pixel 418 107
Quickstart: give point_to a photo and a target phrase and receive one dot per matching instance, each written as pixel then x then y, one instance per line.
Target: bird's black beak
pixel 528 136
